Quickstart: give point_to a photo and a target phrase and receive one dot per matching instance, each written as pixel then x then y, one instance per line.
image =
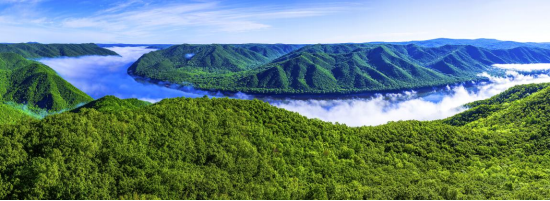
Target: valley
pixel 274 100
pixel 110 135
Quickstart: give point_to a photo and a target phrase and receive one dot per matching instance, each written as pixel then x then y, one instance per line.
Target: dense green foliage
pixel 12 112
pixel 484 108
pixel 336 68
pixel 239 149
pixel 37 50
pixel 197 59
pixel 11 115
pixel 32 83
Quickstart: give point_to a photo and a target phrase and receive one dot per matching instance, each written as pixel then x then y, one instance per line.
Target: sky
pixel 262 21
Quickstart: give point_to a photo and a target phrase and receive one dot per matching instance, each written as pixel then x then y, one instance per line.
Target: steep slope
pixel 368 69
pixel 113 104
pixel 485 108
pixel 239 149
pixel 186 61
pixel 519 115
pixel 36 50
pixel 335 68
pixel 33 83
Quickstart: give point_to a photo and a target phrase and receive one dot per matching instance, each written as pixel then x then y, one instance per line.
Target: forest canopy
pixel 203 148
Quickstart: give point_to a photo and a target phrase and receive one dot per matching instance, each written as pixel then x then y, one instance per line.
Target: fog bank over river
pixel 107 75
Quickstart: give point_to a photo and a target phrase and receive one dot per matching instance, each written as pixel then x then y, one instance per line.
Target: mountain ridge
pixel 337 68
pixel 37 50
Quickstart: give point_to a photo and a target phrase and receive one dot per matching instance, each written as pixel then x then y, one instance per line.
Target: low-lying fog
pixel 99 76
pixel 106 75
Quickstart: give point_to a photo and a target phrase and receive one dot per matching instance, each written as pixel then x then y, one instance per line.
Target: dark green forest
pixel 203 148
pixel 34 84
pixel 327 68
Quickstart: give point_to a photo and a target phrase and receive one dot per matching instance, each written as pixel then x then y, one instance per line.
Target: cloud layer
pixel 524 67
pixel 384 108
pixel 106 75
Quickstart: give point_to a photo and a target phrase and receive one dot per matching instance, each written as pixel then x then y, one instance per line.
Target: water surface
pixel 99 76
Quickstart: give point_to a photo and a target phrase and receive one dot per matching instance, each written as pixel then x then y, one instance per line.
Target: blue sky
pixel 282 21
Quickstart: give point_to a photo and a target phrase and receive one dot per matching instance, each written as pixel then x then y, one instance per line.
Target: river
pixel 99 76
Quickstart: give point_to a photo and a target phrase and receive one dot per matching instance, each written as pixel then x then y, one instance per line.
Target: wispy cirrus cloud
pixel 19 1
pixel 207 14
pixel 120 6
pixel 153 21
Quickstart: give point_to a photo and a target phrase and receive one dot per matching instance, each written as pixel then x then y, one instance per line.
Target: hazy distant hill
pixel 37 50
pixel 152 46
pixel 484 43
pixel 29 82
pixel 331 68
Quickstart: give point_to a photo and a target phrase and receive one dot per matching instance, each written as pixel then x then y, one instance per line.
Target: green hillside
pixel 188 60
pixel 333 68
pixel 28 82
pixel 36 50
pixel 484 108
pixel 204 148
pixel 11 115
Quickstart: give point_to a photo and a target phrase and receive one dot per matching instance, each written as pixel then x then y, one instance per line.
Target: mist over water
pixel 99 76
pixel 381 109
pixel 524 67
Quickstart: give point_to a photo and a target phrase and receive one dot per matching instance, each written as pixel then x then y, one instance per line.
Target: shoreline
pixel 303 96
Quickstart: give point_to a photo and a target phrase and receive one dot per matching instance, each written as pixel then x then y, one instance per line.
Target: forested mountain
pixel 482 42
pixel 332 68
pixel 204 148
pixel 189 60
pixel 37 85
pixel 37 50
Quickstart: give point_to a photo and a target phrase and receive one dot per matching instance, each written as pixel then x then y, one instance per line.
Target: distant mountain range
pixel 37 50
pixel 482 42
pixel 329 68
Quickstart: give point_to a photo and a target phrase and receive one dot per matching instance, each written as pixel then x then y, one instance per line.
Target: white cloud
pixel 524 67
pixel 106 75
pixel 168 17
pixel 120 6
pixel 139 21
pixel 381 109
pixel 99 76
